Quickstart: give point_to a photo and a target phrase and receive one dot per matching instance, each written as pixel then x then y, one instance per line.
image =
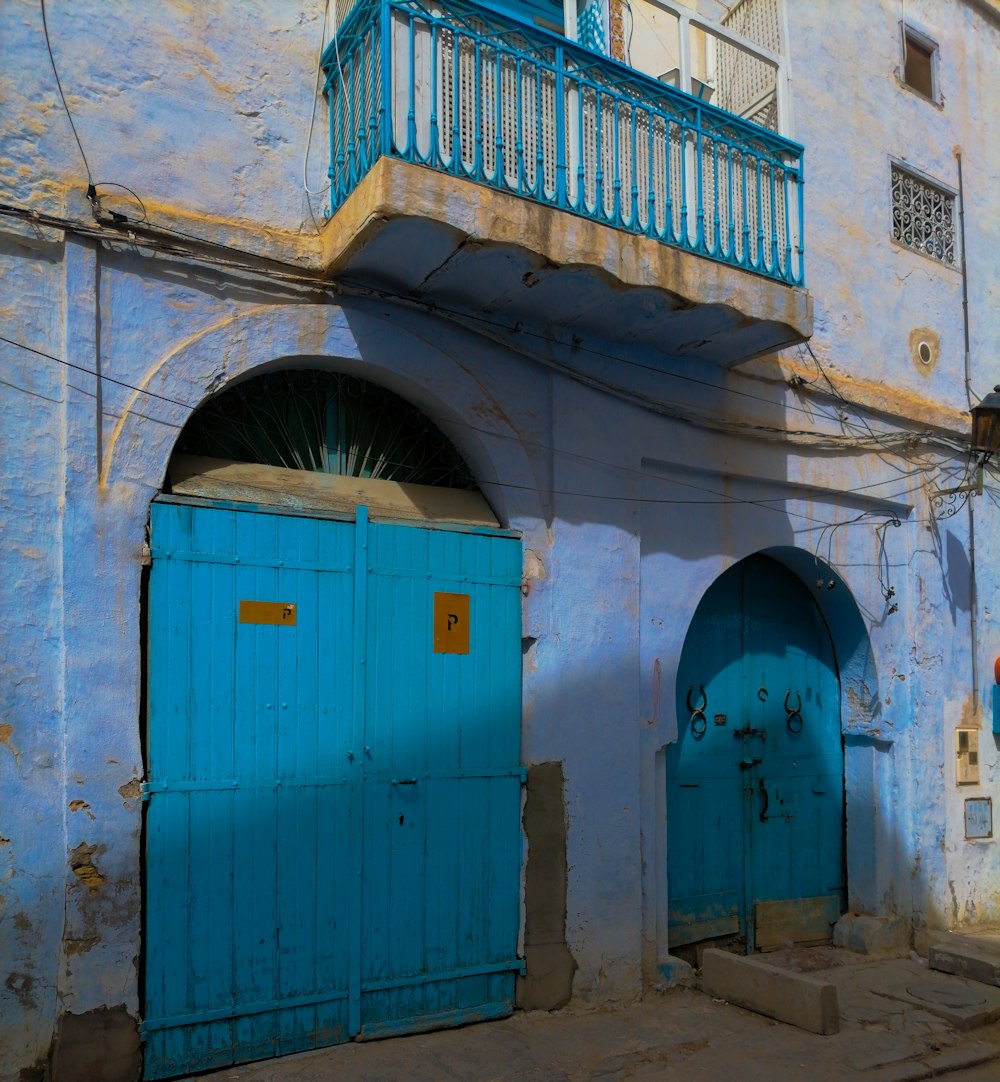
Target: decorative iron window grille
pixel 326 422
pixel 923 216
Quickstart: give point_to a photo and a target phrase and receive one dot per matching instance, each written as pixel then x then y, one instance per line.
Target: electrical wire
pixel 882 563
pixel 123 219
pixel 91 372
pixel 725 498
pixel 62 97
pixel 276 272
pixel 312 118
pixel 114 214
pixel 880 441
pixel 526 441
pixel 904 440
pixel 631 30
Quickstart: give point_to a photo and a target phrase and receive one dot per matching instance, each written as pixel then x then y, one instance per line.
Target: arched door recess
pixel 333 777
pixel 323 441
pixel 755 783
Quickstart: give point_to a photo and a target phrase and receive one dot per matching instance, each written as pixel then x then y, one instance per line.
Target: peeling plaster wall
pixel 33 865
pixel 874 301
pixel 628 512
pixel 201 109
pixel 871 293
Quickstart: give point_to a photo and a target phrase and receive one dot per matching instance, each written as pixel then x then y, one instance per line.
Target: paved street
pixel 888 1034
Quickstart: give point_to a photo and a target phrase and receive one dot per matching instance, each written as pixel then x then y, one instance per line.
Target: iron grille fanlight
pixel 325 422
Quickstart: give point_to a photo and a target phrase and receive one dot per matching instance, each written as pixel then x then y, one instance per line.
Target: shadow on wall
pixel 507 415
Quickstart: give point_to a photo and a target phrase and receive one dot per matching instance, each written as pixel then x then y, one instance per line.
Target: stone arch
pixel 756 648
pixel 851 642
pixel 355 341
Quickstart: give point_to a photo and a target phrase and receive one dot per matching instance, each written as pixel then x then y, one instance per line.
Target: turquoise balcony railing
pixel 468 91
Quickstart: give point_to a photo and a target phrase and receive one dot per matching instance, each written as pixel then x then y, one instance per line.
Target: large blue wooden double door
pixel 333 837
pixel 755 781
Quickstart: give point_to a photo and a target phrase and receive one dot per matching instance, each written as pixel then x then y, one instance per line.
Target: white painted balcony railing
pixel 462 89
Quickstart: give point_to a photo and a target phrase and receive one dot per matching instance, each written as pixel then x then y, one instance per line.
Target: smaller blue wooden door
pixel 755 780
pixel 333 836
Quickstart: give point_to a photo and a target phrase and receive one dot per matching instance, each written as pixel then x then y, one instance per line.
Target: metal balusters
pixel 731 224
pixel 699 157
pixel 685 238
pixel 433 157
pixel 775 267
pixel 581 192
pixel 561 187
pixel 352 163
pixel 800 274
pixel 411 113
pixel 716 246
pixel 498 102
pixel 787 267
pixel 758 263
pixel 386 91
pixel 655 207
pixel 540 186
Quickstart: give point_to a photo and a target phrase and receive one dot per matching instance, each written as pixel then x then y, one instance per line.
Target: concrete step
pixel 976 957
pixel 796 998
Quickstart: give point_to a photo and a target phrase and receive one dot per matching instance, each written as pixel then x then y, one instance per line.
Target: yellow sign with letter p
pixel 281 613
pixel 451 623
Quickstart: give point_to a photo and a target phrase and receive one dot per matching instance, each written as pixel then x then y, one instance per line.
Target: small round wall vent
pixel 925 347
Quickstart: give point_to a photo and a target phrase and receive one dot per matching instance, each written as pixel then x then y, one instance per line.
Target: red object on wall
pixel 996 670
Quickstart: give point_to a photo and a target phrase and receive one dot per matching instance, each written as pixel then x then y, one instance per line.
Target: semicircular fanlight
pixel 325 422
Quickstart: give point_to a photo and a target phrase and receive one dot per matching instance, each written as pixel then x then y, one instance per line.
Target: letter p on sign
pixel 451 623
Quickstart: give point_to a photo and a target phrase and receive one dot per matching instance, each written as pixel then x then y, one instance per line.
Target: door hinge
pixel 144 793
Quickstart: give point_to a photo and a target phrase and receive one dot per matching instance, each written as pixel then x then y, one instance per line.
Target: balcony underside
pixel 460 245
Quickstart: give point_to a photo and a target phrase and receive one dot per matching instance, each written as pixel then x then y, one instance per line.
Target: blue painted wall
pixel 635 479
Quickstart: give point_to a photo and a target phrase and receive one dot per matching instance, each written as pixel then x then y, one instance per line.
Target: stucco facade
pixel 635 475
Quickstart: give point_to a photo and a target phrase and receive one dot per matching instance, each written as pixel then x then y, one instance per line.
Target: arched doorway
pixel 333 837
pixel 755 782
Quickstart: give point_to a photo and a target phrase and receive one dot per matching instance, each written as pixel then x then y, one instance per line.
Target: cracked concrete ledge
pixel 795 998
pixel 400 191
pixel 974 957
pixel 960 1058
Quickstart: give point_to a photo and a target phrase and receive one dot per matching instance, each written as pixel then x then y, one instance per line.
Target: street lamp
pixel 985 443
pixel 986 425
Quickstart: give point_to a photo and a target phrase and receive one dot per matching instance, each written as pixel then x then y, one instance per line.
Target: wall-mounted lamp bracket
pixel 985 443
pixel 941 496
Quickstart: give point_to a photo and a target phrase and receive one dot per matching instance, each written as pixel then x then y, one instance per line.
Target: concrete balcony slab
pixel 458 245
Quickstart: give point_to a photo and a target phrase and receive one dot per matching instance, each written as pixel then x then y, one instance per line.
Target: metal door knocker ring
pixel 794 719
pixel 762 694
pixel 699 723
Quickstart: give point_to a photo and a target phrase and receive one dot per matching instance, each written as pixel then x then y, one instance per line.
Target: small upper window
pixel 920 63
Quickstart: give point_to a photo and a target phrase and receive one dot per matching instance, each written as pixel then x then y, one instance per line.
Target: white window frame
pixel 909 33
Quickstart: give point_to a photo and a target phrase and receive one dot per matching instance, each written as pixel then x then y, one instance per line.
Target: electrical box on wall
pixel 978 818
pixel 967 756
